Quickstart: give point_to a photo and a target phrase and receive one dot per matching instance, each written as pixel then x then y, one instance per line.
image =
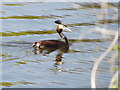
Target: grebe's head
pixel 61 26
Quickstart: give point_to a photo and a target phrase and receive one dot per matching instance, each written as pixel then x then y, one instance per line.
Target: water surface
pixel 24 23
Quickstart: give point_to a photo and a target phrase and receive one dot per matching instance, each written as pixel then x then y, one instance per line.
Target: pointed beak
pixel 68 29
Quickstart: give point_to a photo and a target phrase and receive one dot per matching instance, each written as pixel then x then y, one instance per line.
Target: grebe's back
pixel 48 43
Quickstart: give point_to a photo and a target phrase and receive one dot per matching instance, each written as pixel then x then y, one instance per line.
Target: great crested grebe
pixel 54 43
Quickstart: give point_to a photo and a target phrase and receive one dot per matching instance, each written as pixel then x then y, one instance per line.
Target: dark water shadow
pixel 5 34
pixel 89 40
pixel 31 17
pixel 8 84
pixel 78 6
pixel 25 17
pixel 13 4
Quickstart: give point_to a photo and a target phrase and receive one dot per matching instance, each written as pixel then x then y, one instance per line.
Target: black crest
pixel 58 22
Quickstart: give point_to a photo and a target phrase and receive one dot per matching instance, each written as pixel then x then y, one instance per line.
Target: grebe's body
pixel 48 43
pixel 54 43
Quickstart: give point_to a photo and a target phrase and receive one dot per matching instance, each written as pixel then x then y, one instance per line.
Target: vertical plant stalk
pixel 98 61
pixel 114 78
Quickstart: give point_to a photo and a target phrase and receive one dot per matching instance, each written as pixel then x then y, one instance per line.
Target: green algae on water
pixel 5 34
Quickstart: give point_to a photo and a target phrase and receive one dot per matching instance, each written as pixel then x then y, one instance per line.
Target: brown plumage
pixel 52 43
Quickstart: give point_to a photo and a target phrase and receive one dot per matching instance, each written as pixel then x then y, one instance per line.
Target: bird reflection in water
pixel 48 46
pixel 47 50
